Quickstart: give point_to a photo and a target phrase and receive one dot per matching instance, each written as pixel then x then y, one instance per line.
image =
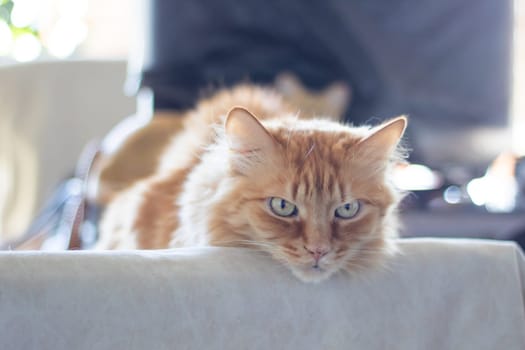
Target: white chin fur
pixel 310 274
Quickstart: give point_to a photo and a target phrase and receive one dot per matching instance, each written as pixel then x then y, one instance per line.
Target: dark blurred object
pixel 197 45
pixel 445 63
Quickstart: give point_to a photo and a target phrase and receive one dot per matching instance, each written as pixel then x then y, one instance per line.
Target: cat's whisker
pixel 366 249
pixel 310 150
pixel 290 133
pixel 353 265
pixel 246 242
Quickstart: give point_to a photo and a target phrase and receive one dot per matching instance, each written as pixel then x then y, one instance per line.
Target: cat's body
pixel 314 194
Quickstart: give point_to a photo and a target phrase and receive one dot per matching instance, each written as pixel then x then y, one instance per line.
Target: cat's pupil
pixel 283 204
pixel 347 206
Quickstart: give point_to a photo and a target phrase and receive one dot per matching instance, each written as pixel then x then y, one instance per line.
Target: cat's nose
pixel 317 251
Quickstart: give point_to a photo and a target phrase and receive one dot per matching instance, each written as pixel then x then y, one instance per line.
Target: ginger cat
pixel 313 193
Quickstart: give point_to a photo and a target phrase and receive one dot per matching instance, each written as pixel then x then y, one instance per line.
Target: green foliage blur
pixel 6 8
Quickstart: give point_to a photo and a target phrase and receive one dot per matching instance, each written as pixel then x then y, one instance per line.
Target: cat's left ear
pixel 249 141
pixel 384 138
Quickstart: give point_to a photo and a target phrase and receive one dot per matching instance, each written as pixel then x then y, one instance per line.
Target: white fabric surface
pixel 437 294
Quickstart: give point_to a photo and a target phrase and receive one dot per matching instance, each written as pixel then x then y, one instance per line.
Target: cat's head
pixel 315 194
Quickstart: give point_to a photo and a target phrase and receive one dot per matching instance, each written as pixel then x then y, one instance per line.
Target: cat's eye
pixel 281 207
pixel 348 210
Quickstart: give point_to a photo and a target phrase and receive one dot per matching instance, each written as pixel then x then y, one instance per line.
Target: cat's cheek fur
pixel 371 250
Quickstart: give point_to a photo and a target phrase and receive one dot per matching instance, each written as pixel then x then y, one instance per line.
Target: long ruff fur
pixel 213 186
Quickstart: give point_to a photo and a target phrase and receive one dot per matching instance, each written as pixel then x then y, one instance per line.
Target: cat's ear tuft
pixel 385 137
pixel 247 138
pixel 288 84
pixel 338 95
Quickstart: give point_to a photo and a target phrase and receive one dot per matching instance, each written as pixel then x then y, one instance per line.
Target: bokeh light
pixel 30 29
pixel 66 35
pixel 25 12
pixel 26 48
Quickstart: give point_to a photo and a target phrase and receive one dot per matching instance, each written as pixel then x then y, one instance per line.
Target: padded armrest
pixel 435 294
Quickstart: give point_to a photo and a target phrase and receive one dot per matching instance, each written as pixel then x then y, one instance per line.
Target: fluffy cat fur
pixel 218 176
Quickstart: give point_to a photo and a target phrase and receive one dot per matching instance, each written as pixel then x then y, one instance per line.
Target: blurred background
pixel 32 30
pixel 71 70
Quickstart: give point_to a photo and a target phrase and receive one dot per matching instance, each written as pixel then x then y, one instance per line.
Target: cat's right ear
pixel 247 138
pixel 383 140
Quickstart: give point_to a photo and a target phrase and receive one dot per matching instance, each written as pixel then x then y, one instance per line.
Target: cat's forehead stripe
pixel 314 180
